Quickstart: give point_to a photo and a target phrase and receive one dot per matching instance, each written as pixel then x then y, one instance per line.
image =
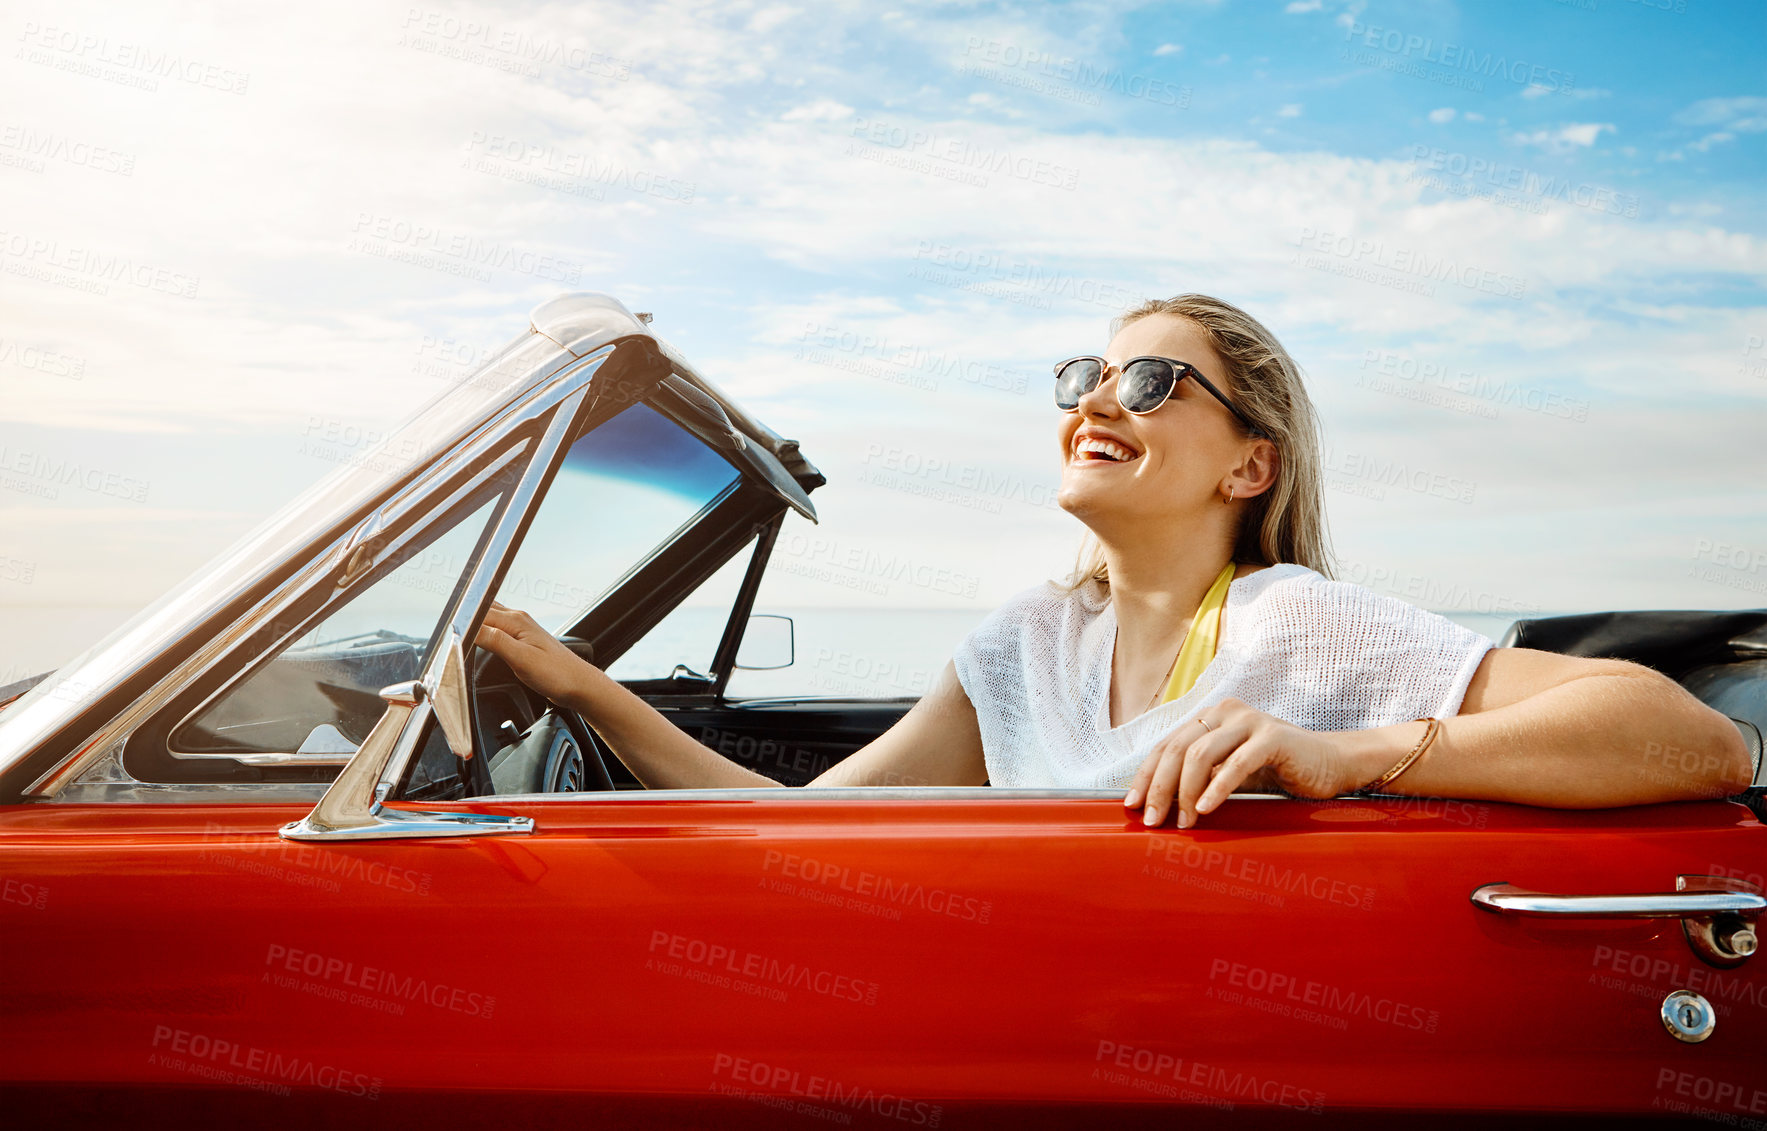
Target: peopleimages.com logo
pixel 1457 57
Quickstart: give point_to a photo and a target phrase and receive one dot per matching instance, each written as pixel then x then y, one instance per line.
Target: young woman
pixel 1201 648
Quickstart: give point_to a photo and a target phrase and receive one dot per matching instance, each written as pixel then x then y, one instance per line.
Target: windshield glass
pixel 624 491
pixel 321 695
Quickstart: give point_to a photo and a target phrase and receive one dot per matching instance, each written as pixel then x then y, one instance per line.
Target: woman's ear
pixel 1257 472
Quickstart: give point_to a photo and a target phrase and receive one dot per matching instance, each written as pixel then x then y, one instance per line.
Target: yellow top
pixel 1199 643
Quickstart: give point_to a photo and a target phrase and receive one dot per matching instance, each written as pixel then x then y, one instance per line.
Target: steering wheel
pixel 559 753
pixel 580 763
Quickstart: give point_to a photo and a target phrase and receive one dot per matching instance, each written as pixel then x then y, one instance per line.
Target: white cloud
pixel 1473 116
pixel 1445 114
pixel 1168 49
pixel 1536 90
pixel 993 103
pixel 1575 135
pixel 770 17
pixel 822 110
pixel 1744 114
pixel 1585 133
pixel 1291 110
pixel 1706 143
pixel 1297 7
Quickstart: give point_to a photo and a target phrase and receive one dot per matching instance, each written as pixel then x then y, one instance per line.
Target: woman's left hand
pixel 1197 768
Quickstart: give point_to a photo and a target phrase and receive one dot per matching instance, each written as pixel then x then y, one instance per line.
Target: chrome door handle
pixel 1717 913
pixel 1669 905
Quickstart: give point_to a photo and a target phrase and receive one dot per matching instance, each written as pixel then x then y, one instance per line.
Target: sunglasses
pixel 1143 384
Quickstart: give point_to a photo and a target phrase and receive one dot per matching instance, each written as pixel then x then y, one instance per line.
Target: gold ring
pixel 1206 726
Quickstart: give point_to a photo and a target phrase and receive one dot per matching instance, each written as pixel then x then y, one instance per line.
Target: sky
pixel 1518 249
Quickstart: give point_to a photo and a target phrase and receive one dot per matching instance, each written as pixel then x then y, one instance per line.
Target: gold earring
pixel 1229 497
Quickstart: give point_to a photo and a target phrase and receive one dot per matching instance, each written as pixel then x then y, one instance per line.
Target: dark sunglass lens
pixel 1076 379
pixel 1145 385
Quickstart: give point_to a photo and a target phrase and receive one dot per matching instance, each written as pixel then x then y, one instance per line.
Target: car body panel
pixel 981 949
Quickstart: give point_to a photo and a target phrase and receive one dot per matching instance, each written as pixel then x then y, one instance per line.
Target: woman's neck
pixel 1155 589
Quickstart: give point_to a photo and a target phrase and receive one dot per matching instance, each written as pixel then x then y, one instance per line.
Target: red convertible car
pixel 287 848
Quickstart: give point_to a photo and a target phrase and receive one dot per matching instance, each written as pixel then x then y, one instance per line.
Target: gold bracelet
pixel 1429 736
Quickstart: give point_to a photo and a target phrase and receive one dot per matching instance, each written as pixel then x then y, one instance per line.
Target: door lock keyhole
pixel 1688 1016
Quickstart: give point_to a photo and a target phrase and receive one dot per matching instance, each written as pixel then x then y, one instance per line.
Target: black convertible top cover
pixel 1673 643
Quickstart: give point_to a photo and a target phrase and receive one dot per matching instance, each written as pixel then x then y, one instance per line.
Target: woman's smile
pixel 1096 447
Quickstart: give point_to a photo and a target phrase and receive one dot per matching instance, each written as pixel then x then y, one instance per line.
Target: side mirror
pixel 768 644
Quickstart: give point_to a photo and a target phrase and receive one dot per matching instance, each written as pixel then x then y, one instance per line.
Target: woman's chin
pixel 1107 507
pixel 1083 500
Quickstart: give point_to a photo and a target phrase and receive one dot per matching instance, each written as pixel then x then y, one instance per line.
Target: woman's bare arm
pixel 1572 732
pixel 936 743
pixel 1534 727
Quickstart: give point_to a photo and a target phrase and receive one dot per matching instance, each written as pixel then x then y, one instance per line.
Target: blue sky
pixel 1517 247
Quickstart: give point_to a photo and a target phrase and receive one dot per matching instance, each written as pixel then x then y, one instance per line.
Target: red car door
pixel 876 959
pixel 993 950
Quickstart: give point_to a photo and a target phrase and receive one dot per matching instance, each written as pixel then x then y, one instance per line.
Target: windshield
pixel 322 693
pixel 623 492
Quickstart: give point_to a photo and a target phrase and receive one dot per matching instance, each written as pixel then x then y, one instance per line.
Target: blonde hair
pixel 1287 522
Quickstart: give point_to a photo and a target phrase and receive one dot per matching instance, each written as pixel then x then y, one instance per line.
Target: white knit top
pixel 1324 655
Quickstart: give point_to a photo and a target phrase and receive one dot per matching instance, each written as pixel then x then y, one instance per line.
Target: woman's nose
pixel 1102 400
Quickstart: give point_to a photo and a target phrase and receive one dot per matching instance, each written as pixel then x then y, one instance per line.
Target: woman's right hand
pixel 660 754
pixel 534 655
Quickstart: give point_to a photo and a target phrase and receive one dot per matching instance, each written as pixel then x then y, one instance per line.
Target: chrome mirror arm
pixel 350 805
pixel 445 685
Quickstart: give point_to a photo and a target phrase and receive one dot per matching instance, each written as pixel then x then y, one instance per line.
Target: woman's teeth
pixel 1102 449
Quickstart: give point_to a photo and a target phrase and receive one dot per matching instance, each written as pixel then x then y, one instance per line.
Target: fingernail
pixel 1204 806
pixel 1134 796
pixel 1183 819
pixel 1150 816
